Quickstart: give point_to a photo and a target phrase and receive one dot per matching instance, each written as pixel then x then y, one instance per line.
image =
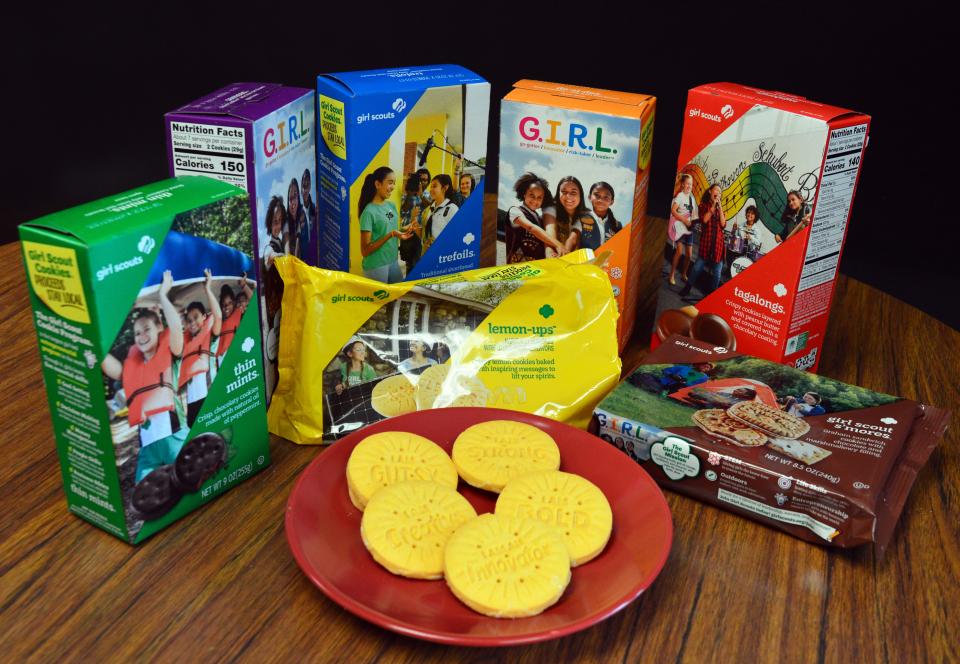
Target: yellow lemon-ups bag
pixel 536 337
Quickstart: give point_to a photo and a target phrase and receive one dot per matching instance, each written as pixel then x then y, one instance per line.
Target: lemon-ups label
pixel 332 126
pixel 55 278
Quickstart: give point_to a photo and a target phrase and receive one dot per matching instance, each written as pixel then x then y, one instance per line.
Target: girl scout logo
pixel 675 457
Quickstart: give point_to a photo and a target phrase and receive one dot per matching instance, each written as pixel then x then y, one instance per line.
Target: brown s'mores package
pixel 828 462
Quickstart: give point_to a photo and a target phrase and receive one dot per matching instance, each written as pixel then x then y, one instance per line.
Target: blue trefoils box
pixel 259 137
pixel 401 154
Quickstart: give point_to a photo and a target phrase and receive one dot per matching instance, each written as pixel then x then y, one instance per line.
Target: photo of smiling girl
pixel 604 225
pixel 196 371
pixel 565 218
pixel 710 250
pixel 442 208
pixel 232 308
pixel 309 207
pixel 379 219
pixel 276 246
pixel 411 247
pixel 795 217
pixel 297 220
pixel 467 185
pixel 527 237
pixel 150 375
pixel 418 360
pixel 683 215
pixel 355 369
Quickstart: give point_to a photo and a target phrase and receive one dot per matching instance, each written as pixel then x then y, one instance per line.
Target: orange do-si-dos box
pixel 757 221
pixel 574 169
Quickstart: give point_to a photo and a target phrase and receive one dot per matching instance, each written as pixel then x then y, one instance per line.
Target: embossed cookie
pixel 394 395
pixel 573 505
pixel 489 454
pixel 435 391
pixel 156 494
pixel 199 459
pixel 770 420
pixel 429 385
pixel 406 526
pixel 506 567
pixel 390 457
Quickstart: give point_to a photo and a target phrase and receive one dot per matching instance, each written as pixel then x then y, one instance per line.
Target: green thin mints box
pixel 151 355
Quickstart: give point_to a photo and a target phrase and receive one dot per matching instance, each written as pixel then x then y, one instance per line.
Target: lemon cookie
pixel 429 385
pixel 435 389
pixel 406 526
pixel 394 395
pixel 573 505
pixel 489 454
pixel 506 567
pixel 390 457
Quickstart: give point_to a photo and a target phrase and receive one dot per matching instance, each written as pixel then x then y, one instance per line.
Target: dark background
pixel 86 96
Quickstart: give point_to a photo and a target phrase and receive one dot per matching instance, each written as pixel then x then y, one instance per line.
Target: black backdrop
pixel 85 96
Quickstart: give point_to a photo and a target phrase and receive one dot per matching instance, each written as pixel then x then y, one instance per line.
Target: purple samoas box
pixel 259 137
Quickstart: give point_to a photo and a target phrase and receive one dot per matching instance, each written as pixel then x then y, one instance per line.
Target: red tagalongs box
pixel 757 222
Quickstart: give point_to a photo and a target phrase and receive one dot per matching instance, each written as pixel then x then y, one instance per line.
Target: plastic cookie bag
pixel 537 337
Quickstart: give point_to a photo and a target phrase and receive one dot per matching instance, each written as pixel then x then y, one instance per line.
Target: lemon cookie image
pixel 490 454
pixel 394 395
pixel 434 390
pixel 506 567
pixel 573 505
pixel 386 458
pixel 406 527
pixel 429 385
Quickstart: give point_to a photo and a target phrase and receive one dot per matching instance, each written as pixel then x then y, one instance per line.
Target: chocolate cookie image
pixel 689 322
pixel 156 494
pixel 713 329
pixel 674 321
pixel 199 460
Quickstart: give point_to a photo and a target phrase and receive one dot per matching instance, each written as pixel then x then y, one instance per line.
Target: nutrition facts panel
pixel 212 150
pixel 844 152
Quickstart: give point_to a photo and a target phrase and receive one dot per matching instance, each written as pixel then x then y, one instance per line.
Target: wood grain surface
pixel 221 583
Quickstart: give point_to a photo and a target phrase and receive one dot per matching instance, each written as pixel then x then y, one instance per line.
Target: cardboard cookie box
pixel 574 170
pixel 763 195
pixel 150 358
pixel 420 135
pixel 261 138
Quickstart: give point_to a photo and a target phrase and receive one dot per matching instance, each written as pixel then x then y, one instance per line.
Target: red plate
pixel 323 529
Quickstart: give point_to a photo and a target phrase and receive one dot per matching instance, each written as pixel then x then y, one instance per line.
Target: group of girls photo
pixel 707 220
pixel 546 224
pixel 291 227
pixel 391 240
pixel 291 222
pixel 358 362
pixel 165 360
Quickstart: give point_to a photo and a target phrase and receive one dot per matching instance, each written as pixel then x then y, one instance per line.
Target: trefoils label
pixel 459 255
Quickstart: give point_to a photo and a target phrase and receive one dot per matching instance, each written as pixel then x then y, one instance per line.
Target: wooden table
pixel 221 584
